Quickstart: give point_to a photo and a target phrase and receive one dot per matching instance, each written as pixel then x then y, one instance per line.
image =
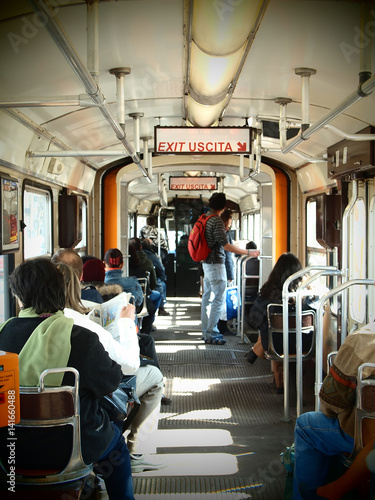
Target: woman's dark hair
pixel 39 285
pixel 133 247
pixel 286 265
pixel 113 257
pixel 227 214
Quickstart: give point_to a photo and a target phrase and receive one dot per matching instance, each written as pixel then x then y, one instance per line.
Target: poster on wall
pixel 9 215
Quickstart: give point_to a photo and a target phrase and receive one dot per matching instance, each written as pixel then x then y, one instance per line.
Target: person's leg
pixel 278 373
pixel 148 320
pixel 215 280
pixel 155 296
pixel 205 302
pixel 357 474
pixel 147 348
pixel 149 389
pixel 317 439
pixel 114 467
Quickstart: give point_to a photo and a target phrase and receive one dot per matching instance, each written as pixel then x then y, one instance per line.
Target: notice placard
pixel 197 140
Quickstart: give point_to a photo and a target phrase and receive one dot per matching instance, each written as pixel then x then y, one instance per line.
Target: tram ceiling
pixel 268 44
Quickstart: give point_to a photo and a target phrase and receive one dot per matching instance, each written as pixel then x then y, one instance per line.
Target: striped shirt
pixel 216 237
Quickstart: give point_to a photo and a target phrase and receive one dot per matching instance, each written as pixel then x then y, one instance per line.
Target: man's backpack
pixel 197 244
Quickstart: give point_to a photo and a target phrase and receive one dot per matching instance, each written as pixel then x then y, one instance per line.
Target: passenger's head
pixel 93 271
pixel 39 285
pixel 286 265
pixel 217 201
pixel 151 221
pixel 251 245
pixel 135 243
pixel 72 287
pixel 146 244
pixel 113 258
pixel 227 217
pixel 69 257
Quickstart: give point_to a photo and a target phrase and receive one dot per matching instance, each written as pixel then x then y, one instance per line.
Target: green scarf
pixel 47 347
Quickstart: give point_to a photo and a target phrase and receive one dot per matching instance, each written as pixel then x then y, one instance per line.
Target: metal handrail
pixel 319 330
pixel 286 295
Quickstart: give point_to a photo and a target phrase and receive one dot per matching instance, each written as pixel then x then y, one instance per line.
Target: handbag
pixel 116 403
pixel 232 303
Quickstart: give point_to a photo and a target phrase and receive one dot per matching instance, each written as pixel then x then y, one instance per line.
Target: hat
pixel 217 201
pixel 93 270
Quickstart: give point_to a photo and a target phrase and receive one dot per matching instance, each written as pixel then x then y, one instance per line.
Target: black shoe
pixel 280 390
pixel 251 357
pixel 165 400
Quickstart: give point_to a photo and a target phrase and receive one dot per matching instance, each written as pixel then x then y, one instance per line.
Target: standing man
pixel 215 276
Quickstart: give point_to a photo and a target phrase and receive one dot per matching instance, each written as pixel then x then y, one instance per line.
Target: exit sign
pixel 197 140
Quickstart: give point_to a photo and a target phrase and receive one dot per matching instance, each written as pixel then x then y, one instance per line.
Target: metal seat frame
pixel 275 326
pixel 51 407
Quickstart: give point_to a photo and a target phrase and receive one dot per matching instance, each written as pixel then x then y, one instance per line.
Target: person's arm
pixel 124 352
pixel 229 247
pixel 338 392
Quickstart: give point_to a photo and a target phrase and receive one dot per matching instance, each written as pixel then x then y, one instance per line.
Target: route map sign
pixel 200 140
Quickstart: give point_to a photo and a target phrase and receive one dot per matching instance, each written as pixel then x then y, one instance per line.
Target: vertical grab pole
pixel 319 326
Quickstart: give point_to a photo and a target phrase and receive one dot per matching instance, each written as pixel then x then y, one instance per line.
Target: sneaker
pixel 163 312
pixel 139 463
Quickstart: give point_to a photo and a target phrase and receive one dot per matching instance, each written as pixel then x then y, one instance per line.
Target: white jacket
pixel 125 351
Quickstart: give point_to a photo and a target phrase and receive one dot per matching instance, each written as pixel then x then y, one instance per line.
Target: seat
pixel 45 412
pixel 275 333
pixel 143 283
pixel 365 408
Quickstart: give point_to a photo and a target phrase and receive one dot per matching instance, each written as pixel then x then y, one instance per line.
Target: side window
pixel 37 216
pixel 82 224
pixel 315 252
pixel 357 264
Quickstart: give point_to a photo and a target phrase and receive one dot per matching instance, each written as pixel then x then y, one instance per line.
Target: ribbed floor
pixel 223 433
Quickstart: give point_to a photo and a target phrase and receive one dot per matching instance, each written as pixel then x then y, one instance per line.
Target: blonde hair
pixel 72 288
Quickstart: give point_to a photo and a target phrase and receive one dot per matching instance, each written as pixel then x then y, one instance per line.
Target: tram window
pixel 315 252
pixel 82 224
pixel 357 264
pixel 37 233
pixel 251 228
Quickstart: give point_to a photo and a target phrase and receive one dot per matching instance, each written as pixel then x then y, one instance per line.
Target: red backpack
pixel 197 244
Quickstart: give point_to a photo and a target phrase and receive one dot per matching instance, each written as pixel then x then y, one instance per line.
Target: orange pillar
pixel 110 210
pixel 281 213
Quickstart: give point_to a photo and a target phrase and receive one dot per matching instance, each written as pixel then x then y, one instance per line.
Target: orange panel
pixel 110 211
pixel 281 211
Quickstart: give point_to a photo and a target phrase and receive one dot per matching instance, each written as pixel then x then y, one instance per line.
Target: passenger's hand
pixel 254 253
pixel 128 312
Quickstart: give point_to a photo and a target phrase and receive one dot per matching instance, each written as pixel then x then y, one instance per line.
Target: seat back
pixel 143 283
pixel 45 413
pixel 365 408
pixel 275 333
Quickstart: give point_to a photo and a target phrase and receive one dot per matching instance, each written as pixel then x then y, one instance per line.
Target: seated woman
pixel 271 292
pixel 44 337
pixel 125 351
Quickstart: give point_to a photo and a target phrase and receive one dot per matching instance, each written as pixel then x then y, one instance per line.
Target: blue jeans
pixel 114 467
pixel 317 438
pixel 215 280
pixel 155 296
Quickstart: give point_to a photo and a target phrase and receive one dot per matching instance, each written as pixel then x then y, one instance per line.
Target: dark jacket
pixel 99 375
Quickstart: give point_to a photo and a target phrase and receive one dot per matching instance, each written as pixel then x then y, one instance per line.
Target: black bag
pixel 116 404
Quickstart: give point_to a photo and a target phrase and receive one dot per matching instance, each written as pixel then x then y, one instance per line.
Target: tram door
pixel 187 279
